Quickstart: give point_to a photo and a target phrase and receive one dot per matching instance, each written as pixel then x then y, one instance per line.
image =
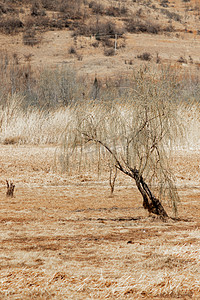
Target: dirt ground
pixel 66 238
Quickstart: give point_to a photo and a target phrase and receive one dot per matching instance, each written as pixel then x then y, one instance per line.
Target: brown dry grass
pixel 66 238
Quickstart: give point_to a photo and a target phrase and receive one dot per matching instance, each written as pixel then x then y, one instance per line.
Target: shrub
pixel 164 3
pixel 109 29
pixel 182 60
pixel 97 8
pixel 37 21
pixel 36 10
pixel 171 15
pixel 107 42
pixel 109 52
pixel 60 21
pixel 100 30
pixel 169 28
pixel 6 8
pixel 145 56
pixel 10 25
pixel 135 25
pixel 71 9
pixel 72 50
pixel 3 8
pixel 49 4
pixel 95 44
pixel 115 11
pixel 30 37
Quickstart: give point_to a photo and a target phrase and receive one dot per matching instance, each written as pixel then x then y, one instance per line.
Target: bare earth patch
pixel 66 238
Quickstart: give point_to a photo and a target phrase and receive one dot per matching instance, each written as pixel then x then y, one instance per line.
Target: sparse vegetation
pixel 171 15
pixel 182 60
pixel 145 56
pixel 30 37
pixel 135 25
pixel 109 52
pixel 47 88
pixel 72 50
pixel 97 7
pixel 10 24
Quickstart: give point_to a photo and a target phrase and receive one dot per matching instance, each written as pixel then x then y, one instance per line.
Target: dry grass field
pixel 66 238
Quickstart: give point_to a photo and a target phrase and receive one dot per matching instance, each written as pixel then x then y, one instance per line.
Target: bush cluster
pixel 145 56
pixel 135 25
pixel 171 15
pixel 10 24
pixel 30 37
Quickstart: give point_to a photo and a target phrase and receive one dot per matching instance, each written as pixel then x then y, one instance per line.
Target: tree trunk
pixel 10 189
pixel 150 202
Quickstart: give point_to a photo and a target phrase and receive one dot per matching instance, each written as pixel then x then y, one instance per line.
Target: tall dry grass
pixel 32 126
pixel 43 112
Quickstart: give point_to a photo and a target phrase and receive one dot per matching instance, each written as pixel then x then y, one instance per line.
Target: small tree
pixel 136 134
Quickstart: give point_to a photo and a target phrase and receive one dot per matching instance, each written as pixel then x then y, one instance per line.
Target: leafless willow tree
pixel 136 133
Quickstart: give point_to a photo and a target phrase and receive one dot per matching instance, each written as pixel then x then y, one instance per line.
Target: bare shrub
pixel 115 11
pixel 36 9
pixel 72 6
pixel 135 25
pixel 49 4
pixel 103 31
pixel 12 140
pixel 145 56
pixel 97 8
pixel 107 42
pixel 95 44
pixel 108 29
pixel 182 60
pixel 7 8
pixel 41 21
pixel 72 50
pixel 164 3
pixel 42 88
pixel 3 8
pixel 71 9
pixel 61 20
pixel 109 52
pixel 37 21
pixel 171 15
pixel 10 24
pixel 169 28
pixel 30 37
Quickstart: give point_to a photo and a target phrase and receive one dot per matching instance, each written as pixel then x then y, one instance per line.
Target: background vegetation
pixel 36 106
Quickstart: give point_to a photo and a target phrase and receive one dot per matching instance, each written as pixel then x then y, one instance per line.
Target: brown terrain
pixel 179 46
pixel 66 237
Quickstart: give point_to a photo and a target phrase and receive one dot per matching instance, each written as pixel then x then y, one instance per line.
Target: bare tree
pixel 136 134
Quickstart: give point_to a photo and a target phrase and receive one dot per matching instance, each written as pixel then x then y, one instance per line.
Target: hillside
pixel 102 38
